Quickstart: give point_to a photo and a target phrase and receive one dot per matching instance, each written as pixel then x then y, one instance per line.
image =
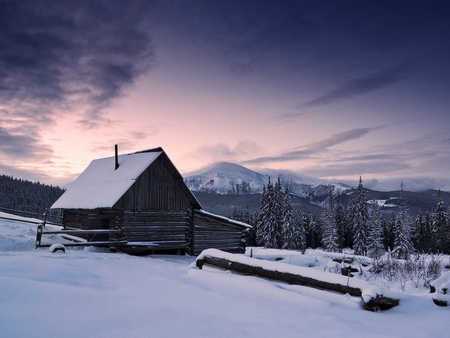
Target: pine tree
pixel 388 232
pixel 375 239
pixel 290 227
pixel 268 227
pixel 422 235
pixel 312 230
pixel 259 218
pixel 339 216
pixel 360 221
pixel 300 232
pixel 329 231
pixel 278 212
pixel 402 244
pixel 440 227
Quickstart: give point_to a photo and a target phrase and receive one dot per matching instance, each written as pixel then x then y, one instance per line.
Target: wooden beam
pixel 81 232
pixel 277 275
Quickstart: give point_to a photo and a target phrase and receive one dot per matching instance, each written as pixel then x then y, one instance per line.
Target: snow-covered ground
pixel 91 293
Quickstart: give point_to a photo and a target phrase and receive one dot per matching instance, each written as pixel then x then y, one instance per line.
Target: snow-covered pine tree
pixel 312 230
pixel 339 216
pixel 278 212
pixel 402 243
pixel 421 233
pixel 360 218
pixel 246 217
pixel 375 247
pixel 289 226
pixel 300 232
pixel 348 224
pixel 259 218
pixel 388 232
pixel 268 227
pixel 440 227
pixel 329 229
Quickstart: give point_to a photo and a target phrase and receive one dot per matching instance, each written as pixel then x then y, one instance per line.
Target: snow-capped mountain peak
pixel 227 178
pixel 230 178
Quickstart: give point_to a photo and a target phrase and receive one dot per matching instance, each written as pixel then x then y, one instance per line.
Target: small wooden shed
pixel 144 196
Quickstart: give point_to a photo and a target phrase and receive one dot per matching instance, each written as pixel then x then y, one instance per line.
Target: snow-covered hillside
pixel 94 293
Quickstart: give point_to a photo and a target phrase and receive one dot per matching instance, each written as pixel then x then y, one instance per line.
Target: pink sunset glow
pixel 335 92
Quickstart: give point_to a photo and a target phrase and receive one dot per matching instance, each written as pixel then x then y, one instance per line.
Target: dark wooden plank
pixel 82 232
pixel 98 243
pixel 155 228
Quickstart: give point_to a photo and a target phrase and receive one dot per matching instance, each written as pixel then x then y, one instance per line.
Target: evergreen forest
pixel 358 225
pixel 27 196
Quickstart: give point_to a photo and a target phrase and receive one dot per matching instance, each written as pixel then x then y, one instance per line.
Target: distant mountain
pixel 229 178
pixel 235 186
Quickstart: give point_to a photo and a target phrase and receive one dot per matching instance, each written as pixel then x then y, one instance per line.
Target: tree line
pixel 23 195
pixel 358 225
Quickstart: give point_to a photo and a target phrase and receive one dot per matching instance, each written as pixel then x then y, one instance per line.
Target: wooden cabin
pixel 144 196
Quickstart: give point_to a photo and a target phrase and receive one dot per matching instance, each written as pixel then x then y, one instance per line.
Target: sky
pixel 328 89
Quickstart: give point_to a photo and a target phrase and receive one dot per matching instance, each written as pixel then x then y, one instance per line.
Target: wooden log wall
pixel 164 229
pixel 78 219
pixel 212 232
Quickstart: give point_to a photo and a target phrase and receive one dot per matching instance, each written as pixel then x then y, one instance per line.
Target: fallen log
pixel 277 271
pixel 294 275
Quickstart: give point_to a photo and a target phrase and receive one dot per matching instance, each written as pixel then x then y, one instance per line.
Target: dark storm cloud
pixel 61 55
pixel 364 85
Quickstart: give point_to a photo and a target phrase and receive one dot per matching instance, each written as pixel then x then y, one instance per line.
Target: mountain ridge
pixel 235 186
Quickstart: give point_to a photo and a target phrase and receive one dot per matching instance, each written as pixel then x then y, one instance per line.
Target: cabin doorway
pixel 96 222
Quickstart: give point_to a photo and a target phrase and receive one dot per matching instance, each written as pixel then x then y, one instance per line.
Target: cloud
pixel 363 85
pixel 225 152
pixel 312 148
pixel 66 55
pixel 16 145
pixel 61 58
pixel 415 161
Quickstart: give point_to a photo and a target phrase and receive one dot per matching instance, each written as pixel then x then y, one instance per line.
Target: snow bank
pixel 91 293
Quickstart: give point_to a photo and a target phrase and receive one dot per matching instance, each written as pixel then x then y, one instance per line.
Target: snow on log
pixel 280 271
pixel 441 289
pixel 373 300
pixel 57 247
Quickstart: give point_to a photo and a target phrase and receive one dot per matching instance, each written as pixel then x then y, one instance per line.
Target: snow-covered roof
pixel 101 186
pixel 223 218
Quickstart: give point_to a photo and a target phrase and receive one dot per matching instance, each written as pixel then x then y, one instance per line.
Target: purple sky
pixel 329 89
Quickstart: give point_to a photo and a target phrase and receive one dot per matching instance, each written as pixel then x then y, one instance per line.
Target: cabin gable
pixel 159 187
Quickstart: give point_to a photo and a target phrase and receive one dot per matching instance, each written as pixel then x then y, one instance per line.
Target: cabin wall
pixel 90 219
pixel 76 219
pixel 156 189
pixel 163 230
pixel 211 232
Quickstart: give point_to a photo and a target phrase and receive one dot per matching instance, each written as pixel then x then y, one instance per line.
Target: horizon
pixel 327 90
pixel 384 186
